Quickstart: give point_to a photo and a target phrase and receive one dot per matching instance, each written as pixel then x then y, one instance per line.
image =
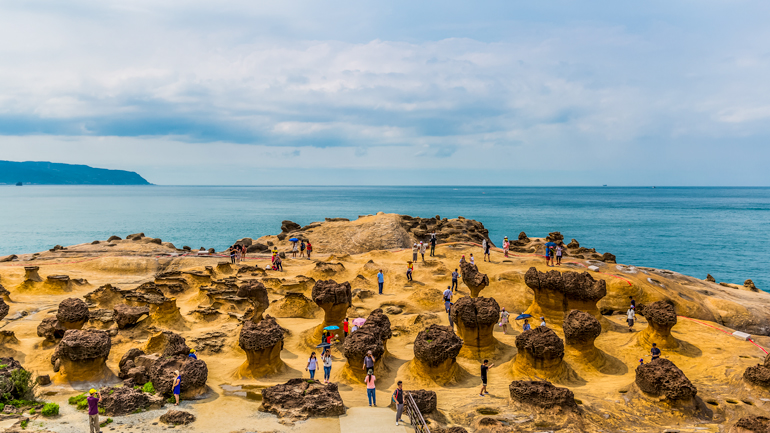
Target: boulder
pixel 177 417
pixel 608 258
pixel 541 352
pixel 557 293
pixel 127 361
pixel 475 280
pixel 72 314
pixel 425 400
pixel 573 244
pixel 554 237
pixel 289 226
pixel 661 378
pixel 114 238
pixel 167 343
pixel 194 374
pixel 122 400
pixel 661 317
pixel 357 345
pixel 379 322
pixel 435 354
pixel 581 329
pixel 752 424
pixel 302 399
pixel 759 374
pixel 256 293
pixel 135 236
pixel 262 343
pixel 43 380
pixel 541 394
pixel 49 329
pixel 750 285
pixel 334 299
pixel 710 279
pixel 81 355
pixel 126 316
pixel 523 237
pixel 8 258
pixel 475 319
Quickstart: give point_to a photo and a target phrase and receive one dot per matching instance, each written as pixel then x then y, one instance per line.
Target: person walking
pixel 232 255
pixel 302 248
pixel 487 247
pixel 630 316
pixel 433 241
pixel 380 280
pixel 409 269
pixel 294 250
pixel 369 361
pixel 526 326
pixel 326 357
pixel 312 364
pixel 345 326
pixel 485 366
pixel 278 263
pixel 415 250
pixel 447 298
pixel 93 410
pixel 177 386
pixel 506 246
pixel 559 252
pixel 633 303
pixel 423 247
pixel 484 247
pixel 192 354
pixel 370 393
pixel 473 261
pixel 504 320
pixel 309 249
pixel 655 352
pixel 244 250
pixel 398 398
pixel 548 256
pixel 455 275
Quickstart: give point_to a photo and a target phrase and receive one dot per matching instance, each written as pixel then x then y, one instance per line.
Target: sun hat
pixel 92 391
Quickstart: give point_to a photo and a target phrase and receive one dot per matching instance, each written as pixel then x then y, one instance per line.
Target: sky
pixel 394 93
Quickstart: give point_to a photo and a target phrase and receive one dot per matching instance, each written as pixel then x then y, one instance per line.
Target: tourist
pixel 641 361
pixel 504 319
pixel 380 280
pixel 326 357
pixel 526 326
pixel 369 381
pixel 93 410
pixel 302 249
pixel 506 246
pixel 542 321
pixel 368 361
pixel 275 252
pixel 354 329
pixel 548 256
pixel 192 354
pixel 484 247
pixel 415 250
pixel 473 262
pixel 630 316
pixel 433 241
pixel 559 250
pixel 345 326
pixel 232 255
pixel 244 250
pixel 447 298
pixel 278 263
pixel 177 386
pixel 423 247
pixel 409 269
pixel 455 275
pixel 312 364
pixel 655 352
pixel 484 367
pixel 398 398
pixel 487 246
pixel 294 249
pixel 633 303
pixel 309 249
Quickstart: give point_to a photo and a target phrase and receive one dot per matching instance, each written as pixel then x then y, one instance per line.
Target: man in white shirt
pixel 630 316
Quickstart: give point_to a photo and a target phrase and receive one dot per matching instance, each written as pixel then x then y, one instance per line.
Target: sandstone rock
pixel 127 361
pixel 177 417
pixel 294 304
pixel 661 317
pixel 608 258
pixel 194 374
pixel 759 374
pixel 475 280
pixel 114 238
pixel 753 424
pixel 301 399
pixel 334 299
pixel 123 400
pixel 437 345
pixel 573 244
pixel 135 236
pixel 661 377
pixel 475 319
pixel 5 294
pixel 83 345
pixel 581 329
pixel 523 237
pixel 255 292
pixel 380 323
pixel 289 226
pixel 556 293
pixel 43 380
pixel 9 258
pixel 541 394
pixel 356 346
pixel 710 279
pixel 750 285
pixel 72 314
pixel 4 308
pixel 257 248
pixel 425 400
pixel 167 343
pixel 555 237
pixel 262 343
pixel 31 274
pixel 126 316
pixel 540 351
pixel 49 329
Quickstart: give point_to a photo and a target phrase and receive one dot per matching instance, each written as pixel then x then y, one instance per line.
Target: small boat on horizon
pixel 19 184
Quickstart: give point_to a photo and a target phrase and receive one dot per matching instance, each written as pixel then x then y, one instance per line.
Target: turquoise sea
pixel 695 231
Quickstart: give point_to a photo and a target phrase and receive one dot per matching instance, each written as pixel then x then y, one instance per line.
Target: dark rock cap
pixel 363 340
pixel 581 327
pixel 331 292
pixel 177 417
pixel 72 310
pixel 662 377
pixel 379 322
pixel 754 424
pixel 541 342
pixel 475 312
pixel 122 400
pixel 436 344
pixel 541 394
pixel 126 316
pixel 254 337
pixel 573 285
pixel 83 345
pixel 661 313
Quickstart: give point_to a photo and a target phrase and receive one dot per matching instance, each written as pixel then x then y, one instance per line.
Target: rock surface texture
pixel 81 354
pixel 177 417
pixel 661 317
pixel 302 399
pixel 557 293
pixel 542 394
pixel 541 353
pixel 72 314
pixel 475 280
pixel 759 374
pixel 262 343
pixel 334 299
pixel 475 319
pixel 662 378
pixel 435 354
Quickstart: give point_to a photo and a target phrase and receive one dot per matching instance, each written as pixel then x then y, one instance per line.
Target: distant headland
pixel 51 173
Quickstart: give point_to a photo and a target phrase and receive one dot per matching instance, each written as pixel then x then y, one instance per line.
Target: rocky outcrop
pixel 759 374
pixel 50 330
pixel 475 319
pixel 30 274
pixel 608 258
pixel 426 401
pixel 541 354
pixel 262 343
pixel 81 355
pixel 123 400
pixel 167 344
pixel 294 304
pixel 661 378
pixel 379 322
pixel 334 299
pixel 256 293
pixel 541 394
pixel 710 279
pixel 435 354
pixel 302 399
pixel 580 331
pixel 4 308
pixel 372 336
pixel 194 373
pixel 177 417
pixel 126 316
pixel 557 293
pixel 750 285
pixel 475 280
pixel 752 424
pixel 72 313
pixel 661 317
pixel 129 371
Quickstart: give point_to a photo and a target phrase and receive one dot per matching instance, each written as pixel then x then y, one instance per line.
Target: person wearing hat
pixel 409 270
pixel 542 321
pixel 423 247
pixel 630 316
pixel 177 386
pixel 415 250
pixel 93 410
pixel 506 246
pixel 192 354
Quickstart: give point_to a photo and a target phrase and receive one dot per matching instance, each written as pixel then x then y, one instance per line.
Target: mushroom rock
pixel 30 274
pixel 573 244
pixel 334 299
pixel 426 401
pixel 752 424
pixel 759 374
pixel 661 378
pixel 580 331
pixel 163 310
pixel 262 343
pixel 194 373
pixel 72 314
pixel 555 237
pixel 475 319
pixel 255 292
pixel 224 268
pixel 608 258
pixel 58 282
pixel 50 330
pixel 126 316
pixel 379 322
pixel 355 348
pixel 435 354
pixel 302 399
pixel 167 343
pixel 81 355
pixel 556 293
pixel 4 308
pixel 289 226
pixel 294 304
pixel 523 237
pixel 750 285
pixel 475 280
pixel 177 417
pixel 542 394
pixel 541 354
pixel 661 317
pixel 710 279
pixel 135 236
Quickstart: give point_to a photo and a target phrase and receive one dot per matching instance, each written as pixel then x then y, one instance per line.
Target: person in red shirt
pixel 345 326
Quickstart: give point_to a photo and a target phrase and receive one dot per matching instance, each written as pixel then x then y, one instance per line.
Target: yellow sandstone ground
pixel 714 361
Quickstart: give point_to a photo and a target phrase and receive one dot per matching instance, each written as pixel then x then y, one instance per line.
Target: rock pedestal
pixel 475 319
pixel 256 292
pixel 661 378
pixel 435 355
pixel 81 355
pixel 262 343
pixel 541 354
pixel 475 280
pixel 30 274
pixel 661 317
pixel 72 313
pixel 372 336
pixel 580 331
pixel 334 299
pixel 759 374
pixel 557 293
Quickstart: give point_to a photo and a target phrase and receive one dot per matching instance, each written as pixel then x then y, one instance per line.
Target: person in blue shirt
pixel 177 387
pixel 380 280
pixel 192 354
pixel 527 326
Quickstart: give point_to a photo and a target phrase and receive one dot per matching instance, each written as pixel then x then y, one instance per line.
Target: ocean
pixel 695 231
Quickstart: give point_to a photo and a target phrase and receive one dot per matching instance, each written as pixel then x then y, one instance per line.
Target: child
pixel 409 269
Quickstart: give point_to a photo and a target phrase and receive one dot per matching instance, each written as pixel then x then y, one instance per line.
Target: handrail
pixel 415 416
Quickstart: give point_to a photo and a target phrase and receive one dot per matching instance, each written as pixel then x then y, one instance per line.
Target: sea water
pixel 695 231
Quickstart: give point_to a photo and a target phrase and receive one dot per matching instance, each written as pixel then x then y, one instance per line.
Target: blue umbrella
pixel 324 345
pixel 523 316
pixel 293 240
pixel 329 328
pixel 550 244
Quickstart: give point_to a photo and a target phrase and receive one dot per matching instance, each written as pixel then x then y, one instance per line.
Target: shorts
pixel 630 322
pixel 483 382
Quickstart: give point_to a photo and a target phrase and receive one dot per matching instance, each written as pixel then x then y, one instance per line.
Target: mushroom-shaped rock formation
pixel 4 308
pixel 435 354
pixel 255 292
pixel 57 283
pixel 177 417
pixel 294 304
pixel 541 394
pixel 426 401
pixel 30 274
pixel 49 329
pixel 123 400
pixel 167 343
pixel 759 374
pixel 302 399
pixel 380 323
pixel 541 354
pixel 661 378
pixel 580 331
pixel 326 269
pixel 355 348
pixel 661 317
pixel 556 293
pixel 475 319
pixel 126 316
pixel 334 299
pixel 262 343
pixel 752 424
pixel 81 355
pixel 475 280
pixel 194 374
pixel 72 314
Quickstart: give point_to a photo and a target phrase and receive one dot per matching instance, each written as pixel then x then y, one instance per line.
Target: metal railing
pixel 415 416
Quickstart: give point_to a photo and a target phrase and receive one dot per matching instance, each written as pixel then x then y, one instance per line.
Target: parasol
pixel 359 322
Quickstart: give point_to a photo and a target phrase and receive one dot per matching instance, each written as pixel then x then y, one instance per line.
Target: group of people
pixel 300 247
pixel 237 253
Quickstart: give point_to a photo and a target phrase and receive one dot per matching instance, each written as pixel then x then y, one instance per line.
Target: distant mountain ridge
pixel 52 173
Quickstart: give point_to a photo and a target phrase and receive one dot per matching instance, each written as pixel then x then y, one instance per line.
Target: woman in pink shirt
pixel 369 380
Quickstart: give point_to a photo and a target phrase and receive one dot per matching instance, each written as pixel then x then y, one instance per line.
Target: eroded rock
pixel 542 394
pixel 661 317
pixel 660 377
pixel 72 313
pixel 475 280
pixel 262 343
pixel 541 351
pixel 126 316
pixel 475 319
pixel 177 417
pixel 302 399
pixel 556 293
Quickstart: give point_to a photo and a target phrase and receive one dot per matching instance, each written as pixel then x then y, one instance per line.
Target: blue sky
pixel 397 93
